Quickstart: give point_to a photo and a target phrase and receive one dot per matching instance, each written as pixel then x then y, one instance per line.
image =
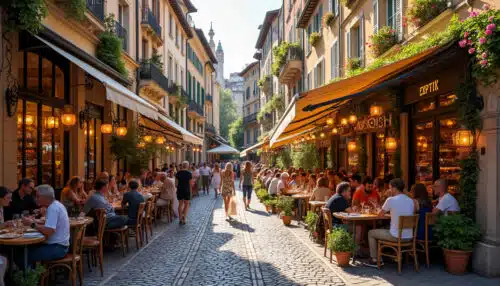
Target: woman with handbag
pixel 227 189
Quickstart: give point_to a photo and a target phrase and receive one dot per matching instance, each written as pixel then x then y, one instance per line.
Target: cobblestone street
pixel 254 249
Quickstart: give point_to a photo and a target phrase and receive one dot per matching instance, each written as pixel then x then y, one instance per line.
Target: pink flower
pixel 484 55
pixel 434 6
pixel 469 42
pixel 466 34
pixel 472 50
pixel 491 27
pixel 462 43
pixel 473 14
pixel 490 18
pixel 483 62
pixel 482 40
pixel 486 7
pixel 489 32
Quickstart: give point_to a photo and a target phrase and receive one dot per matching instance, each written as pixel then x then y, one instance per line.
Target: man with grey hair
pixel 447 202
pixel 183 181
pixel 55 229
pixel 339 201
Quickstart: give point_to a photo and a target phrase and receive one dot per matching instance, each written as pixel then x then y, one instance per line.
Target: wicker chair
pixel 327 218
pixel 71 261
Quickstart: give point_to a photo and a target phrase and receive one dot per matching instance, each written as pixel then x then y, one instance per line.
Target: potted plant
pixel 31 278
pixel 273 204
pixel 314 38
pixel 268 203
pixel 311 219
pixel 286 204
pixel 342 244
pixel 262 195
pixel 328 19
pixel 457 235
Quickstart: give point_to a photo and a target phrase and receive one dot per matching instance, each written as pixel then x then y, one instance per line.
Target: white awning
pixel 115 92
pixel 223 149
pixel 245 152
pixel 186 135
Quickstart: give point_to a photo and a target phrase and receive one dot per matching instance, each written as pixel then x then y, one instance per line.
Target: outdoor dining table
pixel 29 237
pixel 303 199
pixel 357 217
pixel 315 205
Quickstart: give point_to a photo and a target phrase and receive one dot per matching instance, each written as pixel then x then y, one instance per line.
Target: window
pixel 170 24
pixel 309 81
pixel 176 37
pixel 335 60
pixel 309 32
pixel 182 44
pixel 248 136
pixel 334 7
pixel 317 19
pixel 255 107
pixel 202 96
pixel 391 13
pixel 198 93
pixel 375 16
pixel 255 135
pixel 145 49
pixel 248 110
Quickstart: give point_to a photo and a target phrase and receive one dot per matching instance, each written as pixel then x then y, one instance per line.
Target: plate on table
pixel 29 229
pixel 9 235
pixel 33 235
pixel 5 230
pixel 354 214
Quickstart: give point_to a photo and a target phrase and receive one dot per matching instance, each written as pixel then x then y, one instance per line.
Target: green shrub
pixel 340 240
pixel 314 38
pixel 32 277
pixel 280 53
pixel 262 195
pixel 382 41
pixel 328 19
pixel 423 11
pixel 76 9
pixel 24 14
pixel 311 220
pixel 306 156
pixel 109 49
pixel 457 232
pixel 286 205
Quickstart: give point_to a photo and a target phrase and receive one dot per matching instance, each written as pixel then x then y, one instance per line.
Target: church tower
pixel 219 54
pixel 211 35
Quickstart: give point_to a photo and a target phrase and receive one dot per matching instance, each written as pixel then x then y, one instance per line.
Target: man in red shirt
pixel 365 193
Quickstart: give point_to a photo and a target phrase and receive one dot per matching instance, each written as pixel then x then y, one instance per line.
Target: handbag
pixel 232 206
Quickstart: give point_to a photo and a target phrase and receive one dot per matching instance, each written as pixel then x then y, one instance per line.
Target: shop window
pixel 449 152
pixel 447 100
pixel 424 153
pixel 426 105
pixel 93 144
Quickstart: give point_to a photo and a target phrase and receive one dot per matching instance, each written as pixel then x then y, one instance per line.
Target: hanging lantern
pixel 68 118
pixel 464 138
pixel 391 144
pixel 335 131
pixel 160 140
pixel 375 110
pixel 106 128
pixel 329 121
pixel 313 136
pixel 353 119
pixel 141 145
pixel 450 123
pixel 173 148
pixel 303 139
pixel 322 135
pixel 29 120
pixel 351 145
pixel 121 131
pixel 19 120
pixel 147 138
pixel 90 132
pixel 380 135
pixel 424 145
pixel 52 122
pixel 343 122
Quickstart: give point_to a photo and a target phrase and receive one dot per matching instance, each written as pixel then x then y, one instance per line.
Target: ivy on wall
pixel 24 14
pixel 109 49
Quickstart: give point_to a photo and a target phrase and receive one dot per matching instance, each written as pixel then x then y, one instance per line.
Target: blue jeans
pixel 42 252
pixel 247 191
pixel 116 221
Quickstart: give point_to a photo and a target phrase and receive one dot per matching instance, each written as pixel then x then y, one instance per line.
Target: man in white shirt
pixel 447 203
pixel 273 185
pixel 205 177
pixel 56 228
pixel 398 205
pixel 282 184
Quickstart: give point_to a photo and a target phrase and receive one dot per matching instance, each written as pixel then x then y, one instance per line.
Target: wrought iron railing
pixel 150 71
pixel 122 33
pixel 250 118
pixel 294 54
pixel 193 106
pixel 97 8
pixel 210 128
pixel 149 18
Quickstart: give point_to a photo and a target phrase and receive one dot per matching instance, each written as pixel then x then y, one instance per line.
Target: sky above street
pixel 235 24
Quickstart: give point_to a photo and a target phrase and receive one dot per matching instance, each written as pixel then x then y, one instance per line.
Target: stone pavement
pixel 254 249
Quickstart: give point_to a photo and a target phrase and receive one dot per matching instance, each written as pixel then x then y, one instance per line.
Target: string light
pixel 106 128
pixel 353 119
pixel 147 138
pixel 121 131
pixel 343 122
pixel 335 131
pixel 375 110
pixel 329 121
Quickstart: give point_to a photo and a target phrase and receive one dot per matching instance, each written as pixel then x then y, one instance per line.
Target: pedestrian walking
pixel 227 187
pixel 216 180
pixel 246 184
pixel 205 177
pixel 183 182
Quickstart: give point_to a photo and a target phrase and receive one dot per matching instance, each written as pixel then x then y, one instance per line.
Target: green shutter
pixel 189 85
pixel 198 93
pixel 202 96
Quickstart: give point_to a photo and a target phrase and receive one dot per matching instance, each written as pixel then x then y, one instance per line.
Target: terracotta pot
pixel 456 260
pixel 287 220
pixel 343 258
pixel 268 208
pixel 274 210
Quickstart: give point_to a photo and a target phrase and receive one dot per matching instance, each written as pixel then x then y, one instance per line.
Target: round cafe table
pixel 21 242
pixel 303 202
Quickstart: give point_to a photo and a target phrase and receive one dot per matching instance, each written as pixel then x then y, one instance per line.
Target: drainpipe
pixel 341 62
pixel 137 43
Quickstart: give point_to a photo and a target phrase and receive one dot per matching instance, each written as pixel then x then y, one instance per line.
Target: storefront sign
pixel 371 123
pixel 429 88
pixel 325 143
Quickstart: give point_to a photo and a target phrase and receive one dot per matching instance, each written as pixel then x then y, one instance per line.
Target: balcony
pixel 194 109
pixel 209 128
pixel 177 94
pixel 250 119
pixel 292 69
pixel 151 25
pixel 210 98
pixel 96 7
pixel 153 83
pixel 122 33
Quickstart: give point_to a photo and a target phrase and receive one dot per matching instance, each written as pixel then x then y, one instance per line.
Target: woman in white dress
pixel 216 179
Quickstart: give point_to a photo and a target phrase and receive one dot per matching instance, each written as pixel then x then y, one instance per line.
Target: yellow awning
pixel 297 120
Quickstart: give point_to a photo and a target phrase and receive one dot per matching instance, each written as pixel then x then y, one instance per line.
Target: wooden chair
pixel 149 217
pixel 164 210
pixel 425 244
pixel 327 219
pixel 71 261
pixel 139 226
pixel 401 246
pixel 122 232
pixel 94 244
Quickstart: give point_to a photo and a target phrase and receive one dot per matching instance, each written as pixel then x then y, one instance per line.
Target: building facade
pixel 251 104
pixel 236 85
pixel 63 102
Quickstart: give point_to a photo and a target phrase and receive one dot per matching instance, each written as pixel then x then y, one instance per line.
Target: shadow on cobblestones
pixel 241 226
